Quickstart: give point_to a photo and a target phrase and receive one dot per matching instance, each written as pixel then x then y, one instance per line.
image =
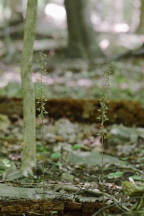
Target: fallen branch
pixel 37 201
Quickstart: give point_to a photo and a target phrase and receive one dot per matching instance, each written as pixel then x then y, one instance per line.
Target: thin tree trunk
pixel 29 152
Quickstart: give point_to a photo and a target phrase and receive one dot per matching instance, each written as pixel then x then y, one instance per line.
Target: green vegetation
pixel 72 122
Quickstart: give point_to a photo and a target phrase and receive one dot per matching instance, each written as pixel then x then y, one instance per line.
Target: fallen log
pixel 46 201
pixel 128 113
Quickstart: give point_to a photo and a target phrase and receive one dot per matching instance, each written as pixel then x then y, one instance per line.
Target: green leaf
pixel 6 163
pixel 41 149
pixel 55 156
pixel 52 213
pixel 124 158
pixel 138 178
pixel 115 175
pixel 122 80
pixel 76 146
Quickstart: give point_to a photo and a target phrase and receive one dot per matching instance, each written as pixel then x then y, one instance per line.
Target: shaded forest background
pixel 88 78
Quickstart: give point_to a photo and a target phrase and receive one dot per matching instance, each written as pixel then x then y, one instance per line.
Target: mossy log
pixel 36 201
pixel 129 113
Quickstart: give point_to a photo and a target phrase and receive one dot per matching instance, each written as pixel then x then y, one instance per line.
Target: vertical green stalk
pixel 103 111
pixel 42 113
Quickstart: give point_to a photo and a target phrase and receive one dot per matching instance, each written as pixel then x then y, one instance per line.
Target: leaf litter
pixel 72 152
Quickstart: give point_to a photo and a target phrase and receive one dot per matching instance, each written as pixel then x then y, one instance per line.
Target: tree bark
pixel 81 36
pixel 140 28
pixel 29 152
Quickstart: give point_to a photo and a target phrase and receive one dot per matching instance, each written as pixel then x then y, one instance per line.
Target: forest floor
pixel 73 163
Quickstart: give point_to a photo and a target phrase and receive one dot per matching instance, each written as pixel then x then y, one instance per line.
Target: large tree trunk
pixel 140 28
pixel 29 153
pixel 81 36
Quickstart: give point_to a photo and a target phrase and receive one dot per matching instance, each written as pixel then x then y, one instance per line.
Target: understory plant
pixel 104 109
